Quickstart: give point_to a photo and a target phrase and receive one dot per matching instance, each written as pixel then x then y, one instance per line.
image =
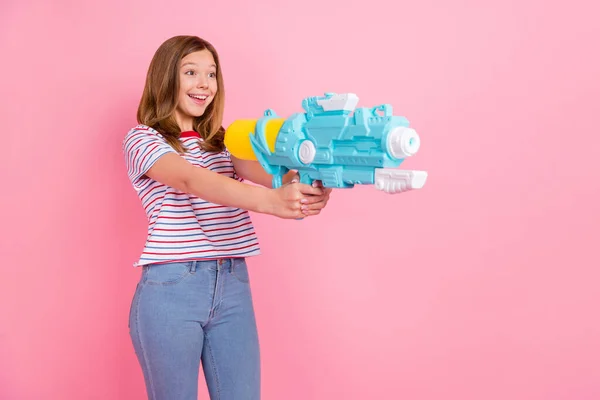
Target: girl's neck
pixel 186 126
pixel 185 123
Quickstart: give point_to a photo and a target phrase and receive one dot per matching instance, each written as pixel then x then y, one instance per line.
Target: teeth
pixel 198 97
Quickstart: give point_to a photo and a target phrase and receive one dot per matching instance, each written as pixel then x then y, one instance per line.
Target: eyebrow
pixel 194 64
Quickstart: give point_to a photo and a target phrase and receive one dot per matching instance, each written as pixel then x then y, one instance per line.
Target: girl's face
pixel 197 87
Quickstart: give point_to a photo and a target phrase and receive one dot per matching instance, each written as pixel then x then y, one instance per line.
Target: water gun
pixel 331 141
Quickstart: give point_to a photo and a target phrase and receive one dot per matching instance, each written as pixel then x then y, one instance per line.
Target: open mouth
pixel 198 98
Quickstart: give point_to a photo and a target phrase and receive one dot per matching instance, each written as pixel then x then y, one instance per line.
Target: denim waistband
pixel 215 264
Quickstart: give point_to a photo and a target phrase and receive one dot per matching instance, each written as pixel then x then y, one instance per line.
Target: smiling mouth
pixel 198 97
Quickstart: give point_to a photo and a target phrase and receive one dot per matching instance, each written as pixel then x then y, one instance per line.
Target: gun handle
pixel 305 178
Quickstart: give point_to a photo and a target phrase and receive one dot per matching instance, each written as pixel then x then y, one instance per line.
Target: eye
pixel 190 72
pixel 212 74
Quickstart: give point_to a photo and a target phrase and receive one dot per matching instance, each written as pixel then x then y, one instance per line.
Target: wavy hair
pixel 159 98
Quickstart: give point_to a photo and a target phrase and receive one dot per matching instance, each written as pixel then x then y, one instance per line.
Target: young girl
pixel 193 302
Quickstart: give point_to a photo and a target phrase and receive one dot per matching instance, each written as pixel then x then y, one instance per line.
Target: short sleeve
pixel 142 147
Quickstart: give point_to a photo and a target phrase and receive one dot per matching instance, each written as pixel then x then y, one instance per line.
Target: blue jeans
pixel 187 313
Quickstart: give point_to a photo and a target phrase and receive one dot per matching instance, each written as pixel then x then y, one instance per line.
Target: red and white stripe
pixel 181 226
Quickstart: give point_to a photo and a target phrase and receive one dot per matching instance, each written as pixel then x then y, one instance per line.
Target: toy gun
pixel 331 141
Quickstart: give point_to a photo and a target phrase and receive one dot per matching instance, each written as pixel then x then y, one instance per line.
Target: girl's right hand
pixel 297 200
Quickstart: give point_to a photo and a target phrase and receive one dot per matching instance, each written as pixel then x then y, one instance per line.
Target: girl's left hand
pixel 327 191
pixel 313 204
pixel 317 202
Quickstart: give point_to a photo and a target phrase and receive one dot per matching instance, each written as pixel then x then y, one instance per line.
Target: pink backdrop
pixel 483 285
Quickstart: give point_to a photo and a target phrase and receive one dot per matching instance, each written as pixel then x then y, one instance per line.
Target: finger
pixel 312 199
pixel 295 206
pixel 295 179
pixel 310 213
pixel 319 184
pixel 312 207
pixel 300 214
pixel 309 189
pixel 315 200
pixel 295 212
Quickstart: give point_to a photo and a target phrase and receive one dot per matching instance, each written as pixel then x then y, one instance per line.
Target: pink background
pixel 483 285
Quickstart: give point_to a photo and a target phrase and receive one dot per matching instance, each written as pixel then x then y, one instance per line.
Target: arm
pixel 254 172
pixel 174 171
pixel 251 170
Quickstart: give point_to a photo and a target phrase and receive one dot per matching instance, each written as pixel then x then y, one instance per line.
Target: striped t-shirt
pixel 182 226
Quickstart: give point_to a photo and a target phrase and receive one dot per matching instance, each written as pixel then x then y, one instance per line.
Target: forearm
pixel 211 186
pixel 254 172
pixel 288 201
pixel 219 189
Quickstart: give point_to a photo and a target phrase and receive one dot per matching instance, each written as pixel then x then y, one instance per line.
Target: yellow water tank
pixel 237 136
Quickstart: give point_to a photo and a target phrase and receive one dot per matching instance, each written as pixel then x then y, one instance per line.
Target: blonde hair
pixel 159 98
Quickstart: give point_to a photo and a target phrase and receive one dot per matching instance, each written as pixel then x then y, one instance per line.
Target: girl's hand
pixel 297 200
pixel 317 203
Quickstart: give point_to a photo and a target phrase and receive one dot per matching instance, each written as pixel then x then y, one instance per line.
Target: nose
pixel 202 82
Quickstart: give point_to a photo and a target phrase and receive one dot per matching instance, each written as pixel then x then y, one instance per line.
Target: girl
pixel 193 302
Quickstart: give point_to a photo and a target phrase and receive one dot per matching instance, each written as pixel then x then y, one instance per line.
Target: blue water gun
pixel 332 141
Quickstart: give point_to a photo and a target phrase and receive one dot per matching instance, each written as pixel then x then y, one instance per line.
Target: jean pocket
pixel 240 271
pixel 167 273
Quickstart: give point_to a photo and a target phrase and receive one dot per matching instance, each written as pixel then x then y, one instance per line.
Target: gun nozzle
pixel 403 142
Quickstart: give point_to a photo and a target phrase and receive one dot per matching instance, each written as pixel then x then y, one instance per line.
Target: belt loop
pixel 193 266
